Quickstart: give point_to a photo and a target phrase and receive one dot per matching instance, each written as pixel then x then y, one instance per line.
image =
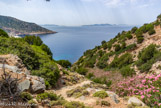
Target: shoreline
pixel 38 33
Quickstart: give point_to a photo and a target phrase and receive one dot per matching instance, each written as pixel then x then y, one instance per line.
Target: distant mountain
pixel 107 25
pixel 49 25
pixel 15 26
pixel 99 25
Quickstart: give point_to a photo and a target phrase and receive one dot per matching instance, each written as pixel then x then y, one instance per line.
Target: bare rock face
pixel 37 84
pixel 16 68
pixel 135 101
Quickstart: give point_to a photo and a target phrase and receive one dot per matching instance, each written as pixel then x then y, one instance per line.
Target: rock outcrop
pixel 14 66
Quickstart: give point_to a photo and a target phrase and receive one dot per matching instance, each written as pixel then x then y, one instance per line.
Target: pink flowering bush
pixel 148 87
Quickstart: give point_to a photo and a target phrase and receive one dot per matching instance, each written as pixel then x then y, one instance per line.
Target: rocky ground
pixel 71 86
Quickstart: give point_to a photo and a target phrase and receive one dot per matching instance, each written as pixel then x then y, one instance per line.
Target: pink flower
pixel 159 104
pixel 142 96
pixel 143 81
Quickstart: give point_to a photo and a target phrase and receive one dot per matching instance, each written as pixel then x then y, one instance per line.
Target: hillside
pixel 130 45
pixel 126 61
pixel 14 26
pixel 122 73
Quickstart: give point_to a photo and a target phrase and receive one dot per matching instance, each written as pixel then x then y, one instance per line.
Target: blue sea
pixel 70 42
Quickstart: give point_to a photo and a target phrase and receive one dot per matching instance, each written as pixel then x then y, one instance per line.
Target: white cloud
pixel 117 3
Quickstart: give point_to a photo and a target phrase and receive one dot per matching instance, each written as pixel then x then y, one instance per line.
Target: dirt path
pixel 86 100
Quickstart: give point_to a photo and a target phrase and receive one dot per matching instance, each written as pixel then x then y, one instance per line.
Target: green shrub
pixel 101 53
pixel 105 103
pixel 147 53
pixel 133 30
pixel 64 63
pixel 109 45
pixel 33 57
pixel 82 71
pixel 102 63
pixel 123 46
pixel 157 23
pixel 129 36
pixel 26 96
pixel 105 46
pixel 20 48
pixel 90 62
pixel 124 60
pixel 159 16
pixel 103 42
pixel 32 103
pixel 74 104
pixel 100 94
pixel 77 92
pixel 90 75
pixel 46 95
pixel 151 32
pixel 3 33
pixel 147 57
pixel 117 47
pixel 65 72
pixel 140 39
pixel 127 71
pixel 47 50
pixel 58 102
pixel 33 40
pixel 102 80
pixel 131 47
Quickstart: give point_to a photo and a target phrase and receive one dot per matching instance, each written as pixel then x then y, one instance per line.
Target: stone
pixel 62 82
pixel 135 101
pixel 37 86
pixel 82 98
pixel 113 96
pixel 24 85
pixel 89 89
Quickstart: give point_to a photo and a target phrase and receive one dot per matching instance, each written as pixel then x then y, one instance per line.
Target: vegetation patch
pixel 46 95
pixel 101 94
pixel 26 96
pixel 123 60
pixel 74 104
pixel 147 57
pixel 105 103
pixel 64 63
pixel 127 71
pixel 77 92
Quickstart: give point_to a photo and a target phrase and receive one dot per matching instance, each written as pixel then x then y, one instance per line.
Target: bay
pixel 70 42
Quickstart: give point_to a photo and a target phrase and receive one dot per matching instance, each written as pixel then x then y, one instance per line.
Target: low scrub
pixel 100 94
pixel 102 80
pixel 105 103
pixel 74 104
pixel 127 71
pixel 123 60
pixel 3 33
pixel 64 63
pixel 82 71
pixel 77 92
pixel 46 95
pixel 147 57
pixel 26 96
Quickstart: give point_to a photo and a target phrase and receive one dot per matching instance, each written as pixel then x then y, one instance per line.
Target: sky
pixel 82 12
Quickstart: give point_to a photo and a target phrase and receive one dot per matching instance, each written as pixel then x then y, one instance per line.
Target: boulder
pixel 113 96
pixel 24 85
pixel 135 101
pixel 37 86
